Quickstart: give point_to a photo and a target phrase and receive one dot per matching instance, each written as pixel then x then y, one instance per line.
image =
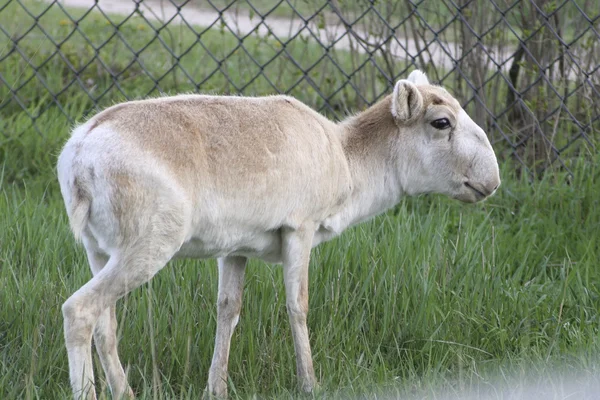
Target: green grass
pixel 435 293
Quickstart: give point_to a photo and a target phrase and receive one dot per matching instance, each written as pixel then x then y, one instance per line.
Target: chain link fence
pixel 527 71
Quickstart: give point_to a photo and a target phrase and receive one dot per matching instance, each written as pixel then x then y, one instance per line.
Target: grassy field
pixel 433 296
pixel 435 293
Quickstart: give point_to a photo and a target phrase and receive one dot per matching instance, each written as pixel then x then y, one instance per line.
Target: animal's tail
pixel 74 183
pixel 80 209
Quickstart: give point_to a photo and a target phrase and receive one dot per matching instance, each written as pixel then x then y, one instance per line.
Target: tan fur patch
pixel 241 147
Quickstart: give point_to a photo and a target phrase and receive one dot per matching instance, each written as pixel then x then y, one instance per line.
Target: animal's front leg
pixel 229 304
pixel 296 255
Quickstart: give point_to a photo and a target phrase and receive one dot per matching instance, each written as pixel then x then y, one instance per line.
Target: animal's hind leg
pixel 105 334
pixel 125 270
pixel 105 340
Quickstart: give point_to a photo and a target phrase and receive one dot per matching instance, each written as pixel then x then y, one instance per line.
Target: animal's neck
pixel 367 139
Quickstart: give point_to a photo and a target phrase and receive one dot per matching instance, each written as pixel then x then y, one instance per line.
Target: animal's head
pixel 444 150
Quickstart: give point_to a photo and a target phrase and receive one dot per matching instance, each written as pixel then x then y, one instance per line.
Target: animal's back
pixel 251 164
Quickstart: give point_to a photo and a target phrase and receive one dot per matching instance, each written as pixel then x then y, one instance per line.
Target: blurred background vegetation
pixel 528 72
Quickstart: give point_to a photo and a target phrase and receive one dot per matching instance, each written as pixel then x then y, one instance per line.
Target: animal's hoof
pixel 129 395
pixel 215 394
pixel 310 386
pixel 124 394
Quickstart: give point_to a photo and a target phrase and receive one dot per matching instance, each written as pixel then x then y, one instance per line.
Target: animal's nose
pixel 492 188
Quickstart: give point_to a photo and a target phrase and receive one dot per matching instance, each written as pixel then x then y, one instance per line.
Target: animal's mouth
pixel 477 192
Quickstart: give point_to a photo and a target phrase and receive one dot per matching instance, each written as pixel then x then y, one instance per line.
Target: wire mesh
pixel 527 71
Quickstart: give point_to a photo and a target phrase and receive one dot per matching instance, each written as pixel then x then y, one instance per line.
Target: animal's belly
pixel 262 245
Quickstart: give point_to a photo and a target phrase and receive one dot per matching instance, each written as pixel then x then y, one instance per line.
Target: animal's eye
pixel 441 123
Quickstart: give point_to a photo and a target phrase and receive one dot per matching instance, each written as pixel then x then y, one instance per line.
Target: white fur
pixel 407 103
pixel 261 177
pixel 418 78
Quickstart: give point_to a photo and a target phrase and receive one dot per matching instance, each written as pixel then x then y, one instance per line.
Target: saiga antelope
pixel 240 177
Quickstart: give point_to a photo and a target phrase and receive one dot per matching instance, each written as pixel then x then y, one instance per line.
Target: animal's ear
pixel 418 77
pixel 407 101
